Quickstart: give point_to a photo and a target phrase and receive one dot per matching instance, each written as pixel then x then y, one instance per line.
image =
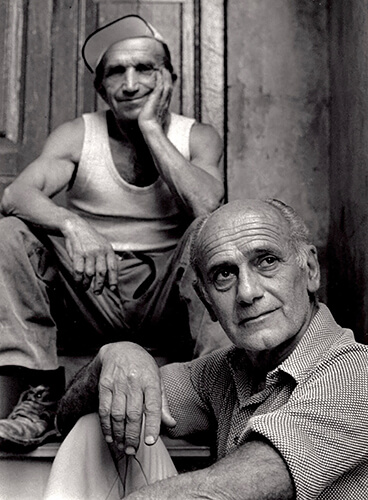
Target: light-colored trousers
pixel 85 468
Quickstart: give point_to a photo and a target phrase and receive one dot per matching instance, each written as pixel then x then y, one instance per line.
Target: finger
pixel 152 404
pixel 78 267
pixel 69 248
pixel 118 415
pixel 167 82
pixel 166 93
pixel 159 81
pixel 104 411
pixel 112 270
pixel 100 277
pixel 134 413
pixel 166 416
pixel 89 271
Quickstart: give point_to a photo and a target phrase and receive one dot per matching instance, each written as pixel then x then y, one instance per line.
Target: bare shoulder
pixel 66 141
pixel 52 169
pixel 206 144
pixel 204 137
pixel 205 131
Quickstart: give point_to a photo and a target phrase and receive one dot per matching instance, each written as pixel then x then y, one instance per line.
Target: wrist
pixel 68 223
pixel 150 126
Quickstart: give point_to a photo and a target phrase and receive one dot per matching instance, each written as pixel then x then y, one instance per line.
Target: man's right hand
pixel 129 387
pixel 92 256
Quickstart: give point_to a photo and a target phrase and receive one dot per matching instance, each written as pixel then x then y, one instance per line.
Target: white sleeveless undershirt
pixel 131 217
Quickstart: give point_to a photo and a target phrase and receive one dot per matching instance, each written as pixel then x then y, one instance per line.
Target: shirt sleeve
pixel 322 431
pixel 187 402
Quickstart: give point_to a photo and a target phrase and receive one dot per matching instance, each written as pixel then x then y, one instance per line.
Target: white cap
pixel 131 26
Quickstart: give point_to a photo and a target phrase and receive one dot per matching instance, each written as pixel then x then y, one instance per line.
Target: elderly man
pixel 287 402
pixel 114 261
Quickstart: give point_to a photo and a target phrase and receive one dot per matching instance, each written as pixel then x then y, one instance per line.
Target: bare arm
pixel 29 197
pixel 197 183
pixel 255 471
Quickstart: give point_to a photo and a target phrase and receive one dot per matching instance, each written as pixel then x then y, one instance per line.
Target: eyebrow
pixel 253 253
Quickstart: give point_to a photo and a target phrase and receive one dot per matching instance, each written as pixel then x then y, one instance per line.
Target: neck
pixel 128 130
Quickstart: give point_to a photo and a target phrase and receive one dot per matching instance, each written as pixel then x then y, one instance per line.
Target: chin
pixel 257 342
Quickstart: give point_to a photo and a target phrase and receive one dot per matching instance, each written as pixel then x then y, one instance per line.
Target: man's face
pixel 251 278
pixel 129 77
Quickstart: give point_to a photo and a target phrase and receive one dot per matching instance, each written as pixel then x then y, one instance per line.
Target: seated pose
pixel 286 404
pixel 113 263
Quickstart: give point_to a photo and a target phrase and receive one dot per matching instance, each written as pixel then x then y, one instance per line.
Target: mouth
pixel 133 99
pixel 256 317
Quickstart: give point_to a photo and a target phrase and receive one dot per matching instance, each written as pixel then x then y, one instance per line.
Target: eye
pixel 224 278
pixel 268 263
pixel 146 69
pixel 116 70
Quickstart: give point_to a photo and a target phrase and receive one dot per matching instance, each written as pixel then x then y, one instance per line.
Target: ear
pixel 314 275
pixel 200 291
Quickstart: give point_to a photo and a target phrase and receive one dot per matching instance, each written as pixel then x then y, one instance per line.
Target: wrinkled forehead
pixel 137 48
pixel 244 228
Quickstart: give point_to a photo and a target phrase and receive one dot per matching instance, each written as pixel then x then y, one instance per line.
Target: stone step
pixel 23 476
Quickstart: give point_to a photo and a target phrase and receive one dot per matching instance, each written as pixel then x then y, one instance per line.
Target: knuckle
pixel 133 375
pixel 104 412
pixel 134 416
pixel 105 383
pixel 117 416
pixel 153 407
pixel 106 428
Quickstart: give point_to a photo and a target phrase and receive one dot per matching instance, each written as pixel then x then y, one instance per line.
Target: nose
pixel 249 286
pixel 130 83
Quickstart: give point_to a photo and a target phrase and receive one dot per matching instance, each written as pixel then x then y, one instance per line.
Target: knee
pixel 13 232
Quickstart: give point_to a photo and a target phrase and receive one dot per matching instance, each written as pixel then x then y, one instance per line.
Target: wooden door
pixel 45 82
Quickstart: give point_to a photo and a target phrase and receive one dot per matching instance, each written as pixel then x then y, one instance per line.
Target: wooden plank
pixel 64 62
pixel 188 58
pixel 37 77
pixel 213 63
pixel 14 66
pixel 88 22
pixel 176 448
pixel 8 158
pixel 3 36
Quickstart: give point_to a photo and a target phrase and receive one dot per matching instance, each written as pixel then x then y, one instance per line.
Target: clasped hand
pixel 129 387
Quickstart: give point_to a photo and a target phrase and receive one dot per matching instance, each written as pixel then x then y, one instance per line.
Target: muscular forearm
pixel 30 204
pixel 198 191
pixel 255 471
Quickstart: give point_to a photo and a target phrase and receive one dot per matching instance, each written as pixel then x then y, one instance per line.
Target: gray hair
pixel 299 237
pixel 194 244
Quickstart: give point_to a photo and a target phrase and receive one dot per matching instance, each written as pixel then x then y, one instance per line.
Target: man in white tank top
pixel 113 262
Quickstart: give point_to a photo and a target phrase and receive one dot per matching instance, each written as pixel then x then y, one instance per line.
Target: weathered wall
pixel 278 123
pixel 348 272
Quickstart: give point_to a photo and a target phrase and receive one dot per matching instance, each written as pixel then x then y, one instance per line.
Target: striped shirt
pixel 313 408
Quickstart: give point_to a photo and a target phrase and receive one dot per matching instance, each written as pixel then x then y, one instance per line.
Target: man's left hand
pixel 156 108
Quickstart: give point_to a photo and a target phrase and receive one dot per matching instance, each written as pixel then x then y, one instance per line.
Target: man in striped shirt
pixel 287 403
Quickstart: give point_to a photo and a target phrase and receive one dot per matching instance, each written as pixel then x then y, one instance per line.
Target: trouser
pixel 85 468
pixel 155 304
